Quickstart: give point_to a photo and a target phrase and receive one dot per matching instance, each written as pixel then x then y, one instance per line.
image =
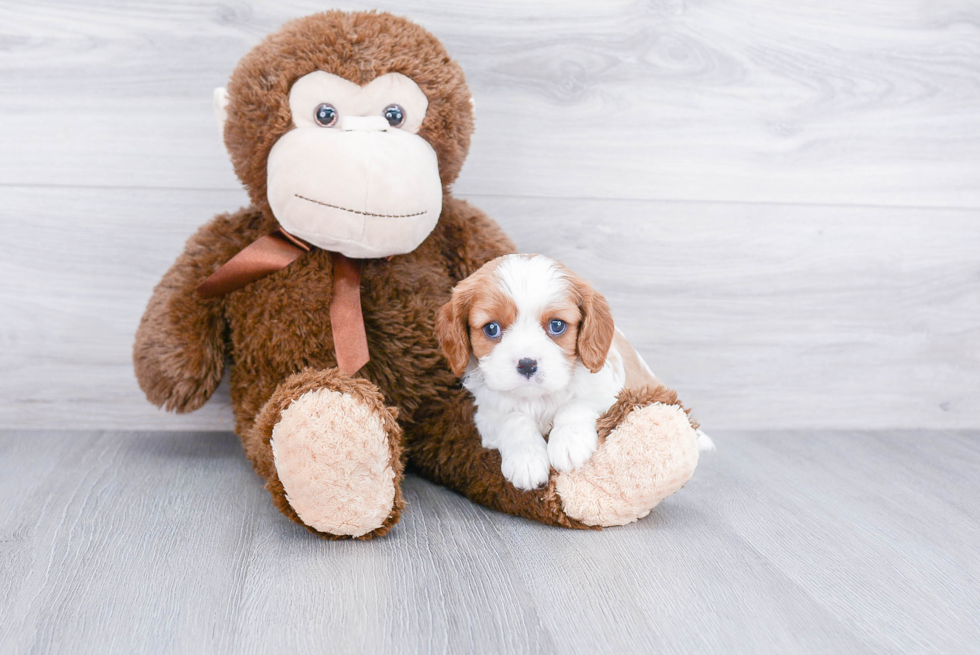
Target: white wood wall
pixel 781 199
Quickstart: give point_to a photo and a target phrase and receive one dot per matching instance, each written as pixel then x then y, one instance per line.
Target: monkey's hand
pixel 180 347
pixel 179 350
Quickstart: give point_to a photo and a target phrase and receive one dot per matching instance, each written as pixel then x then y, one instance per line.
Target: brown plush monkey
pixel 347 130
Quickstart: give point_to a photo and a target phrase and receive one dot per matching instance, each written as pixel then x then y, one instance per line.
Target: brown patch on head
pixel 596 329
pixel 358 46
pixel 476 301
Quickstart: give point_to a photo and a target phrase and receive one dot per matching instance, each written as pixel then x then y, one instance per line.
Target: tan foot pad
pixel 333 459
pixel 649 456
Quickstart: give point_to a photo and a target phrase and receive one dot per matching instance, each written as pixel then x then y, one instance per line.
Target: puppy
pixel 541 356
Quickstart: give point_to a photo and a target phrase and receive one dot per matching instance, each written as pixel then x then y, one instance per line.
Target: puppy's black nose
pixel 527 367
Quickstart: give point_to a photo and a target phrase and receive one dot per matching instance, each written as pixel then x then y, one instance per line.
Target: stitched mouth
pixel 354 211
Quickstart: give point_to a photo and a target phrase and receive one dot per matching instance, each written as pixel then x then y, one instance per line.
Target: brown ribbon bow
pixel 275 252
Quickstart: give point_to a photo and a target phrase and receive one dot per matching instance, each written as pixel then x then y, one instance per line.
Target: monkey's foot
pixel 334 456
pixel 649 455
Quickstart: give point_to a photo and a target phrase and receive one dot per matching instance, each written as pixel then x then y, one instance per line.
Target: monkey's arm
pixel 472 238
pixel 179 351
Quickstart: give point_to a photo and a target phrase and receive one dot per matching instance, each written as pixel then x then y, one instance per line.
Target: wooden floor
pixel 784 542
pixel 780 199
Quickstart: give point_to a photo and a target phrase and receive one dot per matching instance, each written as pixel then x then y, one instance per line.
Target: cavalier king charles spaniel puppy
pixel 537 348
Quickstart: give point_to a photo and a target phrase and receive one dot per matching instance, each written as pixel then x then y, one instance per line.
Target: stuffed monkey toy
pixel 348 130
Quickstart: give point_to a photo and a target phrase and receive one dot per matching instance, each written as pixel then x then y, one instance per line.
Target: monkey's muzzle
pixel 363 189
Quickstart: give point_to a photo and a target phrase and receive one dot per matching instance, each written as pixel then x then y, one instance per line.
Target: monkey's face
pixel 347 128
pixel 353 176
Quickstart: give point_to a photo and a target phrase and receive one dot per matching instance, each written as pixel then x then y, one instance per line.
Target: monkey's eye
pixel 557 327
pixel 492 330
pixel 325 115
pixel 395 115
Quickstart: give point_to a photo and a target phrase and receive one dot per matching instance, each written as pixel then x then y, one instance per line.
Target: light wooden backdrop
pixel 780 199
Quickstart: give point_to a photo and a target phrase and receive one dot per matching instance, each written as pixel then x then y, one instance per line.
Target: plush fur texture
pixel 332 455
pixel 370 405
pixel 276 331
pixel 647 457
pixel 358 46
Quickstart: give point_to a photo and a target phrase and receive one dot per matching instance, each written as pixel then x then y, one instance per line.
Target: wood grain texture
pixel 856 542
pixel 748 100
pixel 760 315
pixel 781 201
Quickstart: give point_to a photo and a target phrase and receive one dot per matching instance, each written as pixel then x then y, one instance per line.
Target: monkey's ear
pixel 221 106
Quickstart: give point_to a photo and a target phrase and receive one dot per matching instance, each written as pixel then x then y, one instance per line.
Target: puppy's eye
pixel 556 327
pixel 325 115
pixel 492 330
pixel 395 115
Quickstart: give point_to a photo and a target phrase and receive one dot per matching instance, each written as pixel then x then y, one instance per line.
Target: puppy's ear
pixel 452 327
pixel 595 334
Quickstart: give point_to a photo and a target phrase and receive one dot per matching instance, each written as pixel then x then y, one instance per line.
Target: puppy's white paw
pixel 526 467
pixel 570 445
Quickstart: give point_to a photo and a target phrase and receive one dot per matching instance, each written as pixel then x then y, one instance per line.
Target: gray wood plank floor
pixel 784 542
